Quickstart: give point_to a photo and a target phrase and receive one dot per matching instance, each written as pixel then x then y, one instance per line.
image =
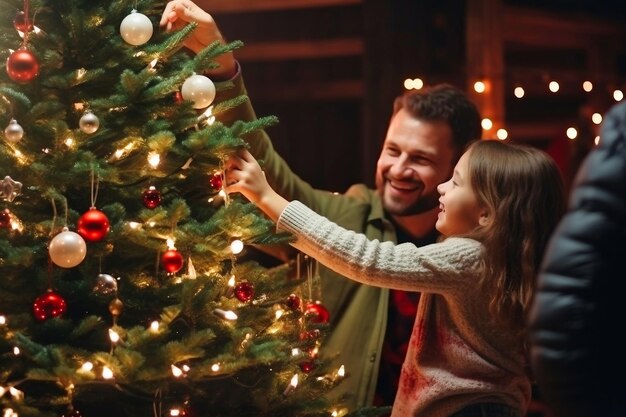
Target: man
pixel 575 322
pixel 428 132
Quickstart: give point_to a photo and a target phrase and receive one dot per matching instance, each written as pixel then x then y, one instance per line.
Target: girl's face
pixel 460 212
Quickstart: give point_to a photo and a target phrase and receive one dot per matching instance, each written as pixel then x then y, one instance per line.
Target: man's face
pixel 416 157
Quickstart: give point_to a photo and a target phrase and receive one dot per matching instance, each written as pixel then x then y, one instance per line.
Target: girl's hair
pixel 522 191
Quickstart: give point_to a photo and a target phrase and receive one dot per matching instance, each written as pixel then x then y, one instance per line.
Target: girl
pixel 467 354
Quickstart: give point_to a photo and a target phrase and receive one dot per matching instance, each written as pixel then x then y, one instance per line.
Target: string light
pixel 597 140
pixel 16 351
pixel 292 385
pixel 572 133
pixel 486 123
pixel 554 86
pixel 3 320
pixel 480 87
pixel 215 367
pixel 225 314
pixel 236 246
pixel 502 134
pixel 519 92
pixel 587 86
pixel 154 326
pixel 618 95
pixel 86 367
pixel 107 373
pixel 596 118
pixel 154 159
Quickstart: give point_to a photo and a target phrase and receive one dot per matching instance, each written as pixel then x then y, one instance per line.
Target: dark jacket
pixel 578 317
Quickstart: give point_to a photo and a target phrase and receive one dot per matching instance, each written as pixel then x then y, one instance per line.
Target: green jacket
pixel 358 312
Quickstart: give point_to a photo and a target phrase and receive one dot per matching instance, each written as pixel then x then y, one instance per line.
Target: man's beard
pixel 423 204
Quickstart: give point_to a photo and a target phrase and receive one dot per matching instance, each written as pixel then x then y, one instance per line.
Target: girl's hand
pixel 244 175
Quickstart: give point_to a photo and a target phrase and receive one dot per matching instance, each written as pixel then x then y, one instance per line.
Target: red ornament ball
pixel 307 366
pixel 22 66
pixel 317 313
pixel 151 197
pixel 5 219
pixel 293 302
pixel 93 225
pixel 216 181
pixel 244 291
pixel 49 305
pixel 310 334
pixel 22 23
pixel 172 261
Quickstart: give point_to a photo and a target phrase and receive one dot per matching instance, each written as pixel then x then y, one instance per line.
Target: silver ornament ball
pixel 105 285
pixel 198 89
pixel 14 132
pixel 136 28
pixel 89 123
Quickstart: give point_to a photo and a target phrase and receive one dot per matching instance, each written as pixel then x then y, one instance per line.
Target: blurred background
pixel 541 72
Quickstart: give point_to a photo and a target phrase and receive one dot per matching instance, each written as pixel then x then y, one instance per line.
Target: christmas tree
pixel 122 289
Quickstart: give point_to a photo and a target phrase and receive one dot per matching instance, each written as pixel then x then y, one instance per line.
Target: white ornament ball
pixel 89 122
pixel 67 249
pixel 200 90
pixel 136 28
pixel 14 132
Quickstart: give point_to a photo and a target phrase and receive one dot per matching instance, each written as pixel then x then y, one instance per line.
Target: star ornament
pixel 10 189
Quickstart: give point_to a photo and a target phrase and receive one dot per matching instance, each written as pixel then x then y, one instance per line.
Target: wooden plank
pixel 244 6
pixel 543 29
pixel 283 50
pixel 328 90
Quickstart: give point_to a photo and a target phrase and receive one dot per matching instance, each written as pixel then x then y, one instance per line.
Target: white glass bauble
pixel 89 122
pixel 136 28
pixel 198 89
pixel 14 132
pixel 67 249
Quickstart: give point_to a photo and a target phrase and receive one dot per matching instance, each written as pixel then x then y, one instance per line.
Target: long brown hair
pixel 522 190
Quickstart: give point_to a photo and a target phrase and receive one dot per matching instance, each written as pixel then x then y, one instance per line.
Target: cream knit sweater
pixel 456 355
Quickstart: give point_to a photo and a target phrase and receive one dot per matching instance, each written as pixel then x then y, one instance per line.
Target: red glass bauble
pixel 151 197
pixel 5 219
pixel 22 23
pixel 93 225
pixel 172 261
pixel 310 334
pixel 216 181
pixel 293 302
pixel 244 291
pixel 317 313
pixel 22 66
pixel 48 305
pixel 307 366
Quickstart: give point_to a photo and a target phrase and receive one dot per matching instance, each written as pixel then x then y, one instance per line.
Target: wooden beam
pixel 243 6
pixel 546 30
pixel 327 90
pixel 284 50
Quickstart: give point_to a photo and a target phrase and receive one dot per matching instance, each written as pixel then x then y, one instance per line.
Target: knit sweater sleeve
pixel 438 268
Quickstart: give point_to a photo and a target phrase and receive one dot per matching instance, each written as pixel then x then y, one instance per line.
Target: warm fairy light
pixel 114 336
pixel 175 412
pixel 413 84
pixel 314 352
pixel 186 368
pixel 80 73
pixel 176 371
pixel 225 314
pixel 2 391
pixel 571 133
pixel 46 150
pixel 295 352
pixel 486 123
pixel 16 351
pixel 79 106
pixel 152 223
pixel 279 313
pixel 341 372
pixel 519 92
pixel 170 244
pixel 153 63
pixel 3 320
pixel 154 326
pixel 134 225
pixel 587 86
pixel 231 281
pixel 340 413
pixel 215 367
pixel 597 140
pixel 8 412
pixel 502 134
pixel 107 373
pixel 292 385
pixel 154 159
pixel 69 142
pixel 236 246
pixel 618 95
pixel 119 153
pixel 16 393
pixel 553 86
pixel 596 118
pixel 480 87
pixel 87 367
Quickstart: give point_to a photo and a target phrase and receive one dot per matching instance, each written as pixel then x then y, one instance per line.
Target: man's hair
pixel 444 103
